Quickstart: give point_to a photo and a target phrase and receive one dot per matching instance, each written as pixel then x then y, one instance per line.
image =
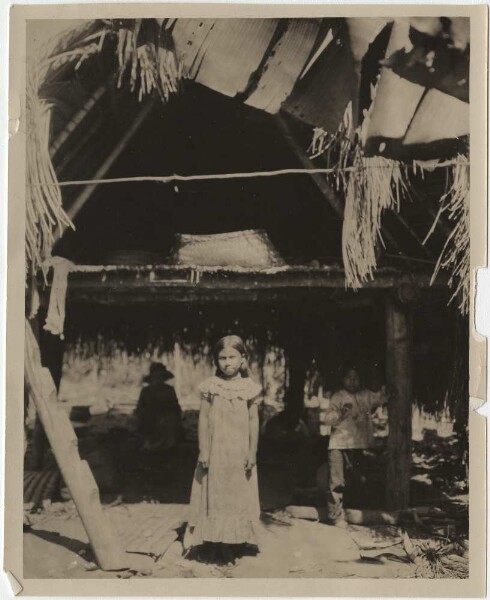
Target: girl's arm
pixel 203 433
pixel 253 419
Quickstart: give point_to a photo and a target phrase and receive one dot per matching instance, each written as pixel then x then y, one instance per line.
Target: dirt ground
pixel 134 485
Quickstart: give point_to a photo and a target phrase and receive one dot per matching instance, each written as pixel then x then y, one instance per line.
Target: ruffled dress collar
pixel 242 388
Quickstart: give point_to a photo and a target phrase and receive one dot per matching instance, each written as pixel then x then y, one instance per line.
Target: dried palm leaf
pixel 44 210
pixel 435 558
pixel 455 255
pixel 376 184
pixel 146 50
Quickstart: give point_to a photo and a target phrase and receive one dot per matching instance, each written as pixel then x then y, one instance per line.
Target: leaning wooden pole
pixel 76 472
pixel 399 376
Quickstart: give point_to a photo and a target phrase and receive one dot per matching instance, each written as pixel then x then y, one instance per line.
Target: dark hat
pixel 157 368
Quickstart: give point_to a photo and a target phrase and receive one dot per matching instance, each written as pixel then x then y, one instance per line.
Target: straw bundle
pixel 339 143
pixel 369 184
pixel 455 255
pixel 375 185
pixel 145 48
pixel 44 210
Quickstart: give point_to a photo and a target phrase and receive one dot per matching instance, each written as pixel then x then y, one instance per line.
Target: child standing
pixel 225 506
pixel 350 415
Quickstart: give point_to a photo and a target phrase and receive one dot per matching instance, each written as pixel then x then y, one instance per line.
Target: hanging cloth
pixel 56 312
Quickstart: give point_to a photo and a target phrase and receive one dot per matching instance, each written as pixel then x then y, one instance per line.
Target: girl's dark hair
pixel 344 369
pixel 230 341
pixel 350 367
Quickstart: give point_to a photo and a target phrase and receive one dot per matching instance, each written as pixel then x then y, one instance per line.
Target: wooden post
pixel 178 364
pixel 295 404
pixel 75 472
pixel 298 356
pixel 399 377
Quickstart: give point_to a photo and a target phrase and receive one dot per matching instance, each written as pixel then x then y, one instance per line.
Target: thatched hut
pixel 196 176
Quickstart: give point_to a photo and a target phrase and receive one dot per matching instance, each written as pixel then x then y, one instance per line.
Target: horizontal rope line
pixel 247 175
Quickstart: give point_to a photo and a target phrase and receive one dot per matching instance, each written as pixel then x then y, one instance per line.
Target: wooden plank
pixel 75 472
pixel 399 377
pixel 259 280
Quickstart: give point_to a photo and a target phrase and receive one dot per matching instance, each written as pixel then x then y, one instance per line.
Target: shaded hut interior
pixel 300 331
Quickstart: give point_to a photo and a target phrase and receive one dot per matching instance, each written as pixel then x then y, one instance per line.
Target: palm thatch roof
pixel 326 90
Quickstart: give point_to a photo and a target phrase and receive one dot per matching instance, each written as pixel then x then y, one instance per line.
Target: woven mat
pixel 150 528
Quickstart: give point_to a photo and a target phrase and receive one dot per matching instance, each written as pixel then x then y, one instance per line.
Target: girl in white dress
pixel 224 506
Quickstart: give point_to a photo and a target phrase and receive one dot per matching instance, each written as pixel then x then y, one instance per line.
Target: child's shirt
pixel 356 430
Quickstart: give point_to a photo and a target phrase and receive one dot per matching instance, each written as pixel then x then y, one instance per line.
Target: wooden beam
pixel 76 472
pixel 75 121
pixel 320 180
pixel 69 156
pixel 413 234
pixel 399 377
pixel 269 297
pixel 180 278
pixel 80 200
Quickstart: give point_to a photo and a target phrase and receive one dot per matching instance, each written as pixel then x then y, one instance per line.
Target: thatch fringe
pixel 146 50
pixel 370 185
pixel 153 64
pixel 373 184
pixel 44 209
pixel 455 255
pixel 339 143
pixel 377 184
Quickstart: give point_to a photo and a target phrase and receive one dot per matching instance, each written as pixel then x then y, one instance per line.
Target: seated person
pixel 158 411
pixel 350 416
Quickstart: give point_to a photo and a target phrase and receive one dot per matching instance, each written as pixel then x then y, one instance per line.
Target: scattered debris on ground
pixel 145 496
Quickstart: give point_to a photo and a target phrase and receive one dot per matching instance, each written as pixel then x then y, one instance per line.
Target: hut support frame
pixel 399 377
pixel 76 472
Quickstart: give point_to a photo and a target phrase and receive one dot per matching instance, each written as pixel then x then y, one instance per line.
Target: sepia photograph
pixel 248 297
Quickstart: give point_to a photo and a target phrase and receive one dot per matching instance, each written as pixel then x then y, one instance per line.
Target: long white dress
pixel 224 503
